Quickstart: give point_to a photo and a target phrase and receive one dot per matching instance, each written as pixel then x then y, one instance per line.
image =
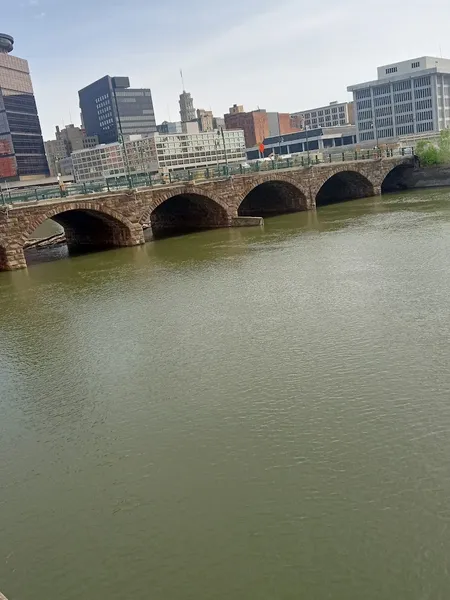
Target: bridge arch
pixel 88 227
pixel 396 178
pixel 344 185
pixel 183 211
pixel 273 196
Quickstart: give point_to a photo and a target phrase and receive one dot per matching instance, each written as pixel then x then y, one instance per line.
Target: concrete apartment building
pixel 159 153
pixel 334 114
pixel 409 98
pixel 22 152
pixel 110 108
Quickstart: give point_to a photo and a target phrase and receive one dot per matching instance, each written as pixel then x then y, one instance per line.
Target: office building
pixel 159 153
pixel 112 109
pixel 187 110
pixel 22 153
pixel 409 98
pixel 191 151
pixel 67 140
pixel 205 120
pixel 334 115
pixel 169 127
pixel 320 140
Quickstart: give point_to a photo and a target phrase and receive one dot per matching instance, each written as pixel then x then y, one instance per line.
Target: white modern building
pixel 409 98
pixel 192 151
pixel 334 115
pixel 159 153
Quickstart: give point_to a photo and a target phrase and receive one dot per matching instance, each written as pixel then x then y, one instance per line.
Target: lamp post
pixel 221 132
pixel 374 127
pixel 217 144
pixel 121 139
pixel 307 143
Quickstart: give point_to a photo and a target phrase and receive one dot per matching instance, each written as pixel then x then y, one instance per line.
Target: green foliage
pixel 435 152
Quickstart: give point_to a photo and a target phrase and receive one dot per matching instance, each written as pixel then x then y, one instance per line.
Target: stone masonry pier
pixel 117 218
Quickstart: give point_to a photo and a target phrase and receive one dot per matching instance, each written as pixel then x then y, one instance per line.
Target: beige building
pixel 205 120
pixel 159 153
pixel 335 114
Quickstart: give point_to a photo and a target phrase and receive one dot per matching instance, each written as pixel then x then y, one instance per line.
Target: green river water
pixel 235 414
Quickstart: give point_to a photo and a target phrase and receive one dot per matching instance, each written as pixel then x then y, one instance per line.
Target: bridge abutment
pixel 12 258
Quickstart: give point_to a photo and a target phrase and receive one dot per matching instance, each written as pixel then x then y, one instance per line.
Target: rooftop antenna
pixel 168 112
pixel 70 116
pixel 440 50
pixel 182 80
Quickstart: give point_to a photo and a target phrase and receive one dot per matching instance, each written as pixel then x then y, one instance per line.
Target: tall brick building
pixel 258 124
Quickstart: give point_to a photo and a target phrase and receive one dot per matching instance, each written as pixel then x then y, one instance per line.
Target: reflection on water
pixel 238 413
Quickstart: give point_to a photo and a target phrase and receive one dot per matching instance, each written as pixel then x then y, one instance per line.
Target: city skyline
pixel 314 53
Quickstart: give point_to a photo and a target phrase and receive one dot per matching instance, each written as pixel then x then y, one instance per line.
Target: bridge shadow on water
pixel 182 248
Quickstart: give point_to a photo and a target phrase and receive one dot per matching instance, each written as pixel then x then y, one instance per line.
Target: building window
pixel 415 65
pixel 391 70
pixel 402 85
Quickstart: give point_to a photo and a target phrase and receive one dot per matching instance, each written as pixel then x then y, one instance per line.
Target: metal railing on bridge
pixel 133 181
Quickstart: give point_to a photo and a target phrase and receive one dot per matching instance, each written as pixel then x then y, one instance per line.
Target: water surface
pixel 234 414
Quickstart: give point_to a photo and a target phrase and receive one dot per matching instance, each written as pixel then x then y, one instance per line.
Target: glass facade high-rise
pixel 111 108
pixel 22 153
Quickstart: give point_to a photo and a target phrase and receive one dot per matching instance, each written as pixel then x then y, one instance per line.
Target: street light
pixel 374 127
pixel 221 132
pixel 121 138
pixel 307 143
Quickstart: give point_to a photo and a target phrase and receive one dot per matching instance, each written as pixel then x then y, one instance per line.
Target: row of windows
pixel 421 104
pixel 385 122
pixel 403 108
pixel 405 129
pixel 402 119
pixel 361 94
pixel 382 101
pixel 368 135
pixel 363 115
pixel 333 110
pixel 365 125
pixel 401 85
pixel 383 111
pixel 381 90
pixel 415 65
pixel 426 115
pixel 402 97
pixel 422 82
pixel 362 104
pixel 391 70
pixel 386 133
pixel 422 93
pixel 422 127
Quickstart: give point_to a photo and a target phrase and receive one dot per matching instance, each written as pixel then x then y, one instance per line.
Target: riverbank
pixel 428 177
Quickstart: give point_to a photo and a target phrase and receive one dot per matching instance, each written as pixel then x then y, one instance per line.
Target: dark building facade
pixel 111 108
pixel 22 153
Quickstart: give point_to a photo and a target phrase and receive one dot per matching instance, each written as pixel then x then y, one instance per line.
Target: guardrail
pixel 198 175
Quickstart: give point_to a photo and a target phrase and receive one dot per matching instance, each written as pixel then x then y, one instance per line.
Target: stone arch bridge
pixel 118 218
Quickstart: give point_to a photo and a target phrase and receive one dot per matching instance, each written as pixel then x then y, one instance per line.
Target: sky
pixel 281 55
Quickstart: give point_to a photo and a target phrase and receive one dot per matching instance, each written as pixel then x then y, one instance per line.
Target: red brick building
pixel 258 124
